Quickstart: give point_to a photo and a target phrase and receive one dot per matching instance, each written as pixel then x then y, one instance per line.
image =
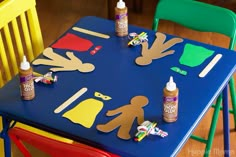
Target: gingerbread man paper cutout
pixel 157 50
pixel 127 114
pixel 64 64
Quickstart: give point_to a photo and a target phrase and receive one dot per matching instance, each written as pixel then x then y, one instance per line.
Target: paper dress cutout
pixel 73 42
pixel 64 64
pixel 194 55
pixel 86 111
pixel 157 50
pixel 127 114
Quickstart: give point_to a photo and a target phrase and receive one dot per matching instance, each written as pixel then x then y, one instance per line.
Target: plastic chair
pixel 53 147
pixel 20 35
pixel 205 18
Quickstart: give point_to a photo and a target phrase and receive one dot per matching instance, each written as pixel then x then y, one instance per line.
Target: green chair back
pixel 197 16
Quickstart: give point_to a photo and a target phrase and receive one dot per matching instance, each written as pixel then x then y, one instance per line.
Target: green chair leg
pixel 233 99
pixel 212 130
pixel 213 126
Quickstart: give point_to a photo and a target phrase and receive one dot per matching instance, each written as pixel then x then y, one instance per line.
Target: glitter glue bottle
pixel 170 101
pixel 121 19
pixel 26 80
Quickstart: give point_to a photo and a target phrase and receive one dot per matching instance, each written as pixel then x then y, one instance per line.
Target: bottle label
pixel 121 16
pixel 121 24
pixel 170 109
pixel 170 99
pixel 26 78
pixel 27 87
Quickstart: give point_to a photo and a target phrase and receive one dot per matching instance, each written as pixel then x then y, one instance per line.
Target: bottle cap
pixel 120 4
pixel 24 65
pixel 171 86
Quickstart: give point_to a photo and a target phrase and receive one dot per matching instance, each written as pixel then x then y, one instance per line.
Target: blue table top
pixel 117 75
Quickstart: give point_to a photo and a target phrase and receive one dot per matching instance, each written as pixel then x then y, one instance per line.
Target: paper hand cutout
pixel 126 117
pixel 157 50
pixel 64 64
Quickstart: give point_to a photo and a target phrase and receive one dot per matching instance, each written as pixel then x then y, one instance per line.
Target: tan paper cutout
pixel 157 50
pixel 64 64
pixel 127 114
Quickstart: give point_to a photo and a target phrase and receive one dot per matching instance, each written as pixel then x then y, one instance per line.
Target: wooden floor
pixel 57 16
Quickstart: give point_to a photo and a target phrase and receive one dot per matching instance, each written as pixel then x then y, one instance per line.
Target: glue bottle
pixel 26 80
pixel 170 104
pixel 121 19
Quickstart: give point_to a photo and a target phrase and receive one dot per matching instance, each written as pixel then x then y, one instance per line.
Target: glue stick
pixel 170 101
pixel 26 80
pixel 121 19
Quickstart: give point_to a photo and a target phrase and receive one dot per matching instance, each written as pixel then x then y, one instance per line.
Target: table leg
pixel 226 122
pixel 4 135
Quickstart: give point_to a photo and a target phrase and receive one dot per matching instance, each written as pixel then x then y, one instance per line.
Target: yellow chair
pixel 20 35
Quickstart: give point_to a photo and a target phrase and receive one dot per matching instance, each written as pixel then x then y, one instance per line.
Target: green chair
pixel 204 18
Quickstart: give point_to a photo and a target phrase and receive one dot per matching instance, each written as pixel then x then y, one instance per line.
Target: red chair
pixel 53 147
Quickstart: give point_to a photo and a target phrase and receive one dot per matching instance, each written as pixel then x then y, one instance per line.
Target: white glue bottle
pixel 170 101
pixel 26 80
pixel 121 19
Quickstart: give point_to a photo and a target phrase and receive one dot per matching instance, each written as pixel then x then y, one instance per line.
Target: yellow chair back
pixel 20 34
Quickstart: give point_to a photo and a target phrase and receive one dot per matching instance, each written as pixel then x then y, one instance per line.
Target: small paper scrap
pixel 178 70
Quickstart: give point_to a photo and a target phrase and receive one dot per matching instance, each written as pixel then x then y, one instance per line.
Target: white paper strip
pixel 91 32
pixel 70 100
pixel 210 65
